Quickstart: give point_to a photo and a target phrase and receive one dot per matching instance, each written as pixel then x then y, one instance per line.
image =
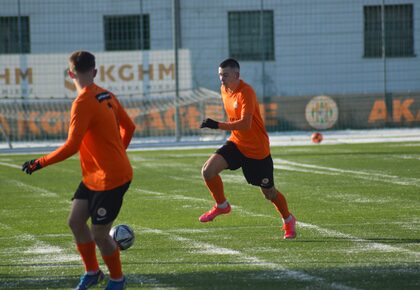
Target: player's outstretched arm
pixel 31 166
pixel 242 124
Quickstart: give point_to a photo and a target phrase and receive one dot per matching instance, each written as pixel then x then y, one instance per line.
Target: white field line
pixel 336 234
pixel 66 170
pixel 170 196
pixel 30 188
pixel 227 178
pixel 315 169
pixel 42 236
pixel 406 157
pixel 39 252
pixel 381 247
pixel 44 253
pixel 366 243
pixel 210 249
pixel 43 192
pixel 11 165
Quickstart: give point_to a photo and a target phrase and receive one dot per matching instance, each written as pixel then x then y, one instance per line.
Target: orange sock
pixel 215 186
pixel 88 253
pixel 113 262
pixel 281 205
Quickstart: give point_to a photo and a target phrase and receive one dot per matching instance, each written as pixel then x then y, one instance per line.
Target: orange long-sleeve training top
pixel 100 130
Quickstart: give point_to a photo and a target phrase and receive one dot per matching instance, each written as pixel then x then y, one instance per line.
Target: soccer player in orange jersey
pixel 247 147
pixel 100 130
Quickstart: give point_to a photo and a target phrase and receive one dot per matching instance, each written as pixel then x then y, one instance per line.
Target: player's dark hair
pixel 230 62
pixel 82 61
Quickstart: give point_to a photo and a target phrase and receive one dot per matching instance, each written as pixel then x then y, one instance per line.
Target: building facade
pixel 285 47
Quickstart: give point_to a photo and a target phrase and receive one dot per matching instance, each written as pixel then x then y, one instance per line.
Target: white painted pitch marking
pixel 11 165
pixel 368 244
pixel 205 248
pixel 323 231
pixel 302 167
pixel 6 159
pixel 33 189
pixel 40 251
pixel 404 156
pixel 37 236
pixel 210 249
pixel 304 170
pixel 43 192
pixel 358 198
pixel 66 170
pixel 167 196
pixel 147 282
pixel 171 196
pixel 42 248
pixel 226 177
pixel 189 180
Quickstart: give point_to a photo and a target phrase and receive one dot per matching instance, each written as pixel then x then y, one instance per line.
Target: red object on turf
pixel 317 137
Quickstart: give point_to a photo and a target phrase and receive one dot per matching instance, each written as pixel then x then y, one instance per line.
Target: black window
pixel 399 40
pixel 14 34
pixel 127 32
pixel 248 39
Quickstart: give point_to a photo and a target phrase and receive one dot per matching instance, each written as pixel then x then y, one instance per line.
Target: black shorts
pixel 258 172
pixel 104 206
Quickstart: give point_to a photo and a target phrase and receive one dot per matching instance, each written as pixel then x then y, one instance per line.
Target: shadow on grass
pixel 390 277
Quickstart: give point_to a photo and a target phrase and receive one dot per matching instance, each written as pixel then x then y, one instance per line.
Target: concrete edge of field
pixel 295 138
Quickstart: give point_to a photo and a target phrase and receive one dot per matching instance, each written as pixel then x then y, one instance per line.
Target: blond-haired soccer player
pixel 247 147
pixel 100 130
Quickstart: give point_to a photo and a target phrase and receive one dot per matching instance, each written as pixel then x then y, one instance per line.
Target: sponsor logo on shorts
pixel 265 181
pixel 101 212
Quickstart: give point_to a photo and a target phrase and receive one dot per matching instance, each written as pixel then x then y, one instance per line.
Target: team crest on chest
pixel 235 105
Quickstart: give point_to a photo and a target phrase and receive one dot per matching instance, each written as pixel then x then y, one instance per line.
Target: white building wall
pixel 319 50
pixel 318 44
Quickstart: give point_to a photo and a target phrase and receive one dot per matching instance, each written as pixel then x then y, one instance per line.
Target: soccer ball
pixel 317 137
pixel 123 235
